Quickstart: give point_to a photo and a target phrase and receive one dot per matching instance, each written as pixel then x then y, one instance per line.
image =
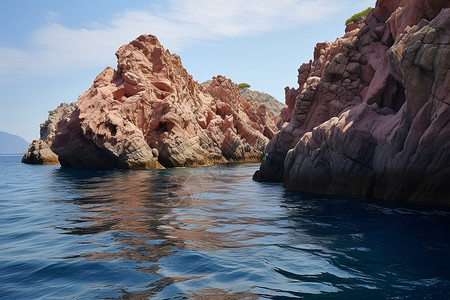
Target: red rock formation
pixel 372 117
pixel 150 113
pixel 410 13
pixel 39 152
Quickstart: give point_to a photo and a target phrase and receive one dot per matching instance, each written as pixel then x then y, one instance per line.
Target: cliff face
pixel 150 113
pixel 39 151
pixel 371 115
pixel 48 128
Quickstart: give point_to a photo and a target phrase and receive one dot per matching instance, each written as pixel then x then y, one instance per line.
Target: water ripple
pixel 207 233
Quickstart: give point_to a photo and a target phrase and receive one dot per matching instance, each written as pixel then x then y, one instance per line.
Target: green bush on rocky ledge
pixel 244 85
pixel 359 16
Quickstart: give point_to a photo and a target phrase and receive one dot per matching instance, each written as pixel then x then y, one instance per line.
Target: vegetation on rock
pixel 244 85
pixel 359 16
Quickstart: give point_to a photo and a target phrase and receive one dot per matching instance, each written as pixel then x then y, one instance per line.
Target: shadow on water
pixel 208 233
pixel 384 251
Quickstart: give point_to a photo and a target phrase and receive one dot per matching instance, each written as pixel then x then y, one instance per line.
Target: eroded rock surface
pixel 150 113
pixel 273 106
pixel 371 115
pixel 39 151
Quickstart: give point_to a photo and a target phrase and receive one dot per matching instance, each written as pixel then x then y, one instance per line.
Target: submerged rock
pixel 150 113
pixel 371 115
pixel 39 151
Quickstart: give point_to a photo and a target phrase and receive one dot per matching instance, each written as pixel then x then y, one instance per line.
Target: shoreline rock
pixel 371 116
pixel 39 152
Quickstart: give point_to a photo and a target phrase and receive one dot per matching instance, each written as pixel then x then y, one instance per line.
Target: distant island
pixel 12 144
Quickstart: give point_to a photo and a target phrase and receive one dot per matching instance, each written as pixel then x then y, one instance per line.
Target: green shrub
pixel 243 85
pixel 359 16
pixel 50 112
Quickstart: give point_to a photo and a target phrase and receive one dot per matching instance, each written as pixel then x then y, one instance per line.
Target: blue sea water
pixel 207 233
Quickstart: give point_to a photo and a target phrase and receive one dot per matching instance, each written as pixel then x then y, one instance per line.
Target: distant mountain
pixel 12 144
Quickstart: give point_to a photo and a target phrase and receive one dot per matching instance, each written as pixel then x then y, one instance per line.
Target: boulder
pixel 39 153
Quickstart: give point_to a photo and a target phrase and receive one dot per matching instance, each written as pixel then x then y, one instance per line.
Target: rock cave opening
pixel 394 96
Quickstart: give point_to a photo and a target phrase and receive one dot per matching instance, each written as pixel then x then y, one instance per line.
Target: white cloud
pixel 236 18
pixel 52 16
pixel 55 49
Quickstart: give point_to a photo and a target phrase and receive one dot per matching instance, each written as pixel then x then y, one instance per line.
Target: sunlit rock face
pixel 371 115
pixel 39 151
pixel 150 113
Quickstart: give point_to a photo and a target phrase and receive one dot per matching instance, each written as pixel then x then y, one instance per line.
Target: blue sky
pixel 51 50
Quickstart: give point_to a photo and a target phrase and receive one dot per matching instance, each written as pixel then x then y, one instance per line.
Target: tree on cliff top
pixel 243 85
pixel 359 16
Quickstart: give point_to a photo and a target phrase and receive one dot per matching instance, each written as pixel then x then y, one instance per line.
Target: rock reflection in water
pixel 147 215
pixel 208 233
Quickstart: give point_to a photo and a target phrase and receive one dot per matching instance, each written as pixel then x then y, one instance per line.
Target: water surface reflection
pixel 146 216
pixel 213 233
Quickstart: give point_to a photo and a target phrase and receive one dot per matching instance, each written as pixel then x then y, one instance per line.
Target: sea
pixel 208 233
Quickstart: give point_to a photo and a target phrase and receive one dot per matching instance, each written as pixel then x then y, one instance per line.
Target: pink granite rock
pixel 39 151
pixel 150 113
pixel 412 12
pixel 375 122
pixel 327 86
pixel 385 8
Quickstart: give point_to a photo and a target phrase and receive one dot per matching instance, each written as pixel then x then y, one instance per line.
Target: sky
pixel 51 50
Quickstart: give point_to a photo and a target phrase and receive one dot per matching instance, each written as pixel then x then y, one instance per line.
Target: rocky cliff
pixel 370 117
pixel 273 106
pixel 39 151
pixel 150 113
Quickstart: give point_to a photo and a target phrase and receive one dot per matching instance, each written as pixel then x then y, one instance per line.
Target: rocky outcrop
pixel 150 113
pixel 371 114
pixel 39 151
pixel 273 106
pixel 48 128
